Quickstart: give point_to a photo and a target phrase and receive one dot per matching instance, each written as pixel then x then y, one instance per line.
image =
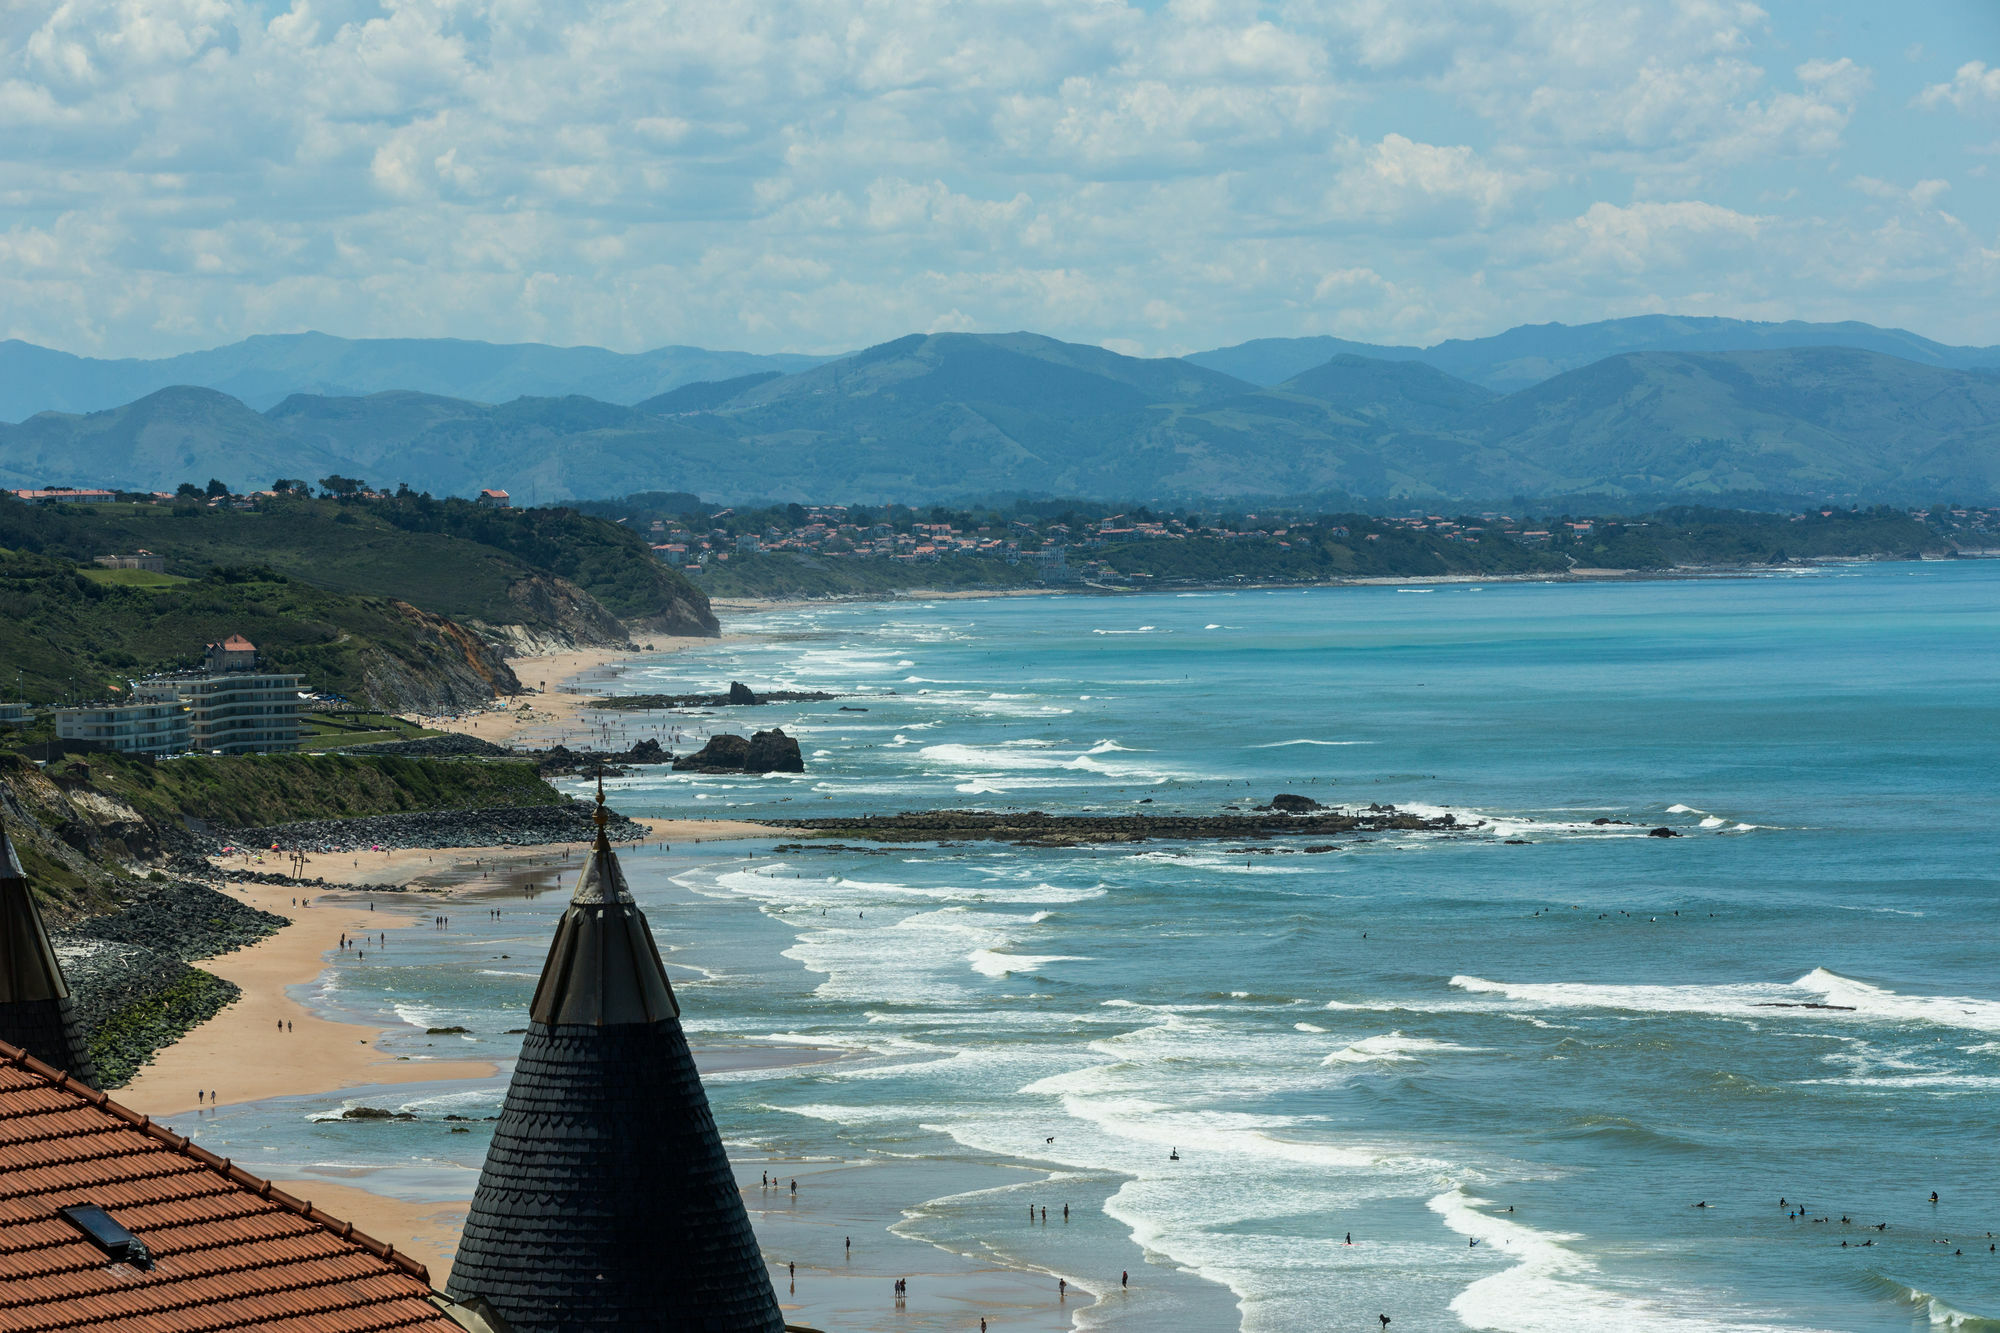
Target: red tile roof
pixel 228 1249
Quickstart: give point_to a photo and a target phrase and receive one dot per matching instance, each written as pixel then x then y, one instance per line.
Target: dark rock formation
pixel 560 760
pixel 765 752
pixel 773 752
pixel 1662 832
pixel 739 695
pixel 1293 805
pixel 722 754
pixel 183 921
pixel 494 826
pixel 1035 828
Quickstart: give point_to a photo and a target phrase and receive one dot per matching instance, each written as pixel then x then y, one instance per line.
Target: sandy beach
pixel 556 713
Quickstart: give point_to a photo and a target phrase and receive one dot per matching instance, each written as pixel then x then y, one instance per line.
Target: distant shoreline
pixel 1581 574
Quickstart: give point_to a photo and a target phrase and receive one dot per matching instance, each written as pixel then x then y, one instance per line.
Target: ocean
pixel 1479 1080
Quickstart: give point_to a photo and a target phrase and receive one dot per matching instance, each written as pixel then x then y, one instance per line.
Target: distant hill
pixel 1532 353
pixel 1801 421
pixel 186 433
pixel 941 417
pixel 264 370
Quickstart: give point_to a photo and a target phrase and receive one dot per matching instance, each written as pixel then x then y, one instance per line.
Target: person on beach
pixel 1124 1278
pixel 1062 1288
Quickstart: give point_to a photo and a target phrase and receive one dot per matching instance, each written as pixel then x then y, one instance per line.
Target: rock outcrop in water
pixel 1038 829
pixel 764 752
pixel 739 696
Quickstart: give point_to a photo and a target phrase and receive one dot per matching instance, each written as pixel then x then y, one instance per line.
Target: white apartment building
pixel 236 712
pixel 143 726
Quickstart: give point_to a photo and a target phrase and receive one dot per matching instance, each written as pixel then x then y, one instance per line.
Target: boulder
pixel 1287 803
pixel 765 752
pixel 773 752
pixel 739 693
pixel 1662 832
pixel 722 754
pixel 648 751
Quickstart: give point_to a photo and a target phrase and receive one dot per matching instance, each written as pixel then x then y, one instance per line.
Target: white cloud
pixel 1399 180
pixel 1974 86
pixel 1923 195
pixel 824 173
pixel 1645 237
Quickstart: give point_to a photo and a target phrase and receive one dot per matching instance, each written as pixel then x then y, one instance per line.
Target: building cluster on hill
pixel 228 705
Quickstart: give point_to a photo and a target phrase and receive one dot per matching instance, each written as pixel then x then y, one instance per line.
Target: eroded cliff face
pixel 556 616
pixel 440 667
pixel 679 608
pixel 77 845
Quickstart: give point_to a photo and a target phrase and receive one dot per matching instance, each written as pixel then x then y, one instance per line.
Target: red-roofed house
pixel 496 499
pixel 234 653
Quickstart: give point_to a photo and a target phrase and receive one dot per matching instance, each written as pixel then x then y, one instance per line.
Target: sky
pixel 1155 177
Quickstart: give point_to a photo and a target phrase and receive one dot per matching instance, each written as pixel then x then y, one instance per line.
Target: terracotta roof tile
pixel 227 1249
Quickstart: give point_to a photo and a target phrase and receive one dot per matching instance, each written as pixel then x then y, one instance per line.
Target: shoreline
pixel 1580 574
pixel 244 1058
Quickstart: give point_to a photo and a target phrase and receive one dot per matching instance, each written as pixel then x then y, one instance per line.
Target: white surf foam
pixel 1550 1288
pixel 1853 1000
pixel 993 963
pixel 1390 1048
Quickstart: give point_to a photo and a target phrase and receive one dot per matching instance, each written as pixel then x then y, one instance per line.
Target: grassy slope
pixel 65 625
pixel 451 558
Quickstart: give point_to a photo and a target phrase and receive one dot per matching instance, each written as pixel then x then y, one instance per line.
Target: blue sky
pixel 1156 177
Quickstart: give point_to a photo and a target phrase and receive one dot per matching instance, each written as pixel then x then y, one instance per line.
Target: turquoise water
pixel 1403 1040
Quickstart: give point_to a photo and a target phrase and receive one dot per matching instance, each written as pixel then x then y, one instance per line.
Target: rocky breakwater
pixel 494 826
pixel 130 976
pixel 739 696
pixel 1043 830
pixel 763 752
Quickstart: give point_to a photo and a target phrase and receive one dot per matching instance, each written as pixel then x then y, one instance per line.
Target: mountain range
pixel 938 417
pixel 265 370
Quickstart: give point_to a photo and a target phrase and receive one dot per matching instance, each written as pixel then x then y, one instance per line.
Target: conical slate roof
pixel 35 1012
pixel 606 1201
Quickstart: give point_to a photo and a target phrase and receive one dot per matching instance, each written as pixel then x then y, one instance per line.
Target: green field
pixel 132 578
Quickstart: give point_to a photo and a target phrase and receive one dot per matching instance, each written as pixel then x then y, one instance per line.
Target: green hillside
pixel 73 636
pixel 453 558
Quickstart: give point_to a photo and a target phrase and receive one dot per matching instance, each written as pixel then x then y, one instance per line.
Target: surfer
pixel 1174 1156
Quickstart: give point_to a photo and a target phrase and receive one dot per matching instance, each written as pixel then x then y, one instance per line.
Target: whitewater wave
pixel 993 963
pixel 1390 1048
pixel 1818 994
pixel 1550 1288
pixel 1279 745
